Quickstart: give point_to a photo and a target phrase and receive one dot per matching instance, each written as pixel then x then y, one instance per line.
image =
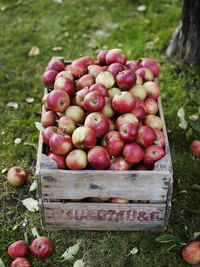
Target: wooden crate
pixel 155 186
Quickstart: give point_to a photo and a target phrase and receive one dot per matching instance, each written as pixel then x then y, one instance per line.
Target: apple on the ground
pixel 191 252
pixel 18 249
pixel 41 247
pixel 20 262
pixel 16 176
pixel 195 147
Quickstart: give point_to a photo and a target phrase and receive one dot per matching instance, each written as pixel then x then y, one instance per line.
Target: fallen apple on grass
pixel 195 148
pixel 16 176
pixel 41 247
pixel 191 252
pixel 18 249
pixel 20 262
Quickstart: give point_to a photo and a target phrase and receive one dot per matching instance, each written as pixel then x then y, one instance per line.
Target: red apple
pixel 49 118
pixel 138 91
pixel 139 112
pixel 139 79
pixel 146 74
pixel 146 135
pixel 16 176
pixel 116 56
pixel 100 88
pixel 84 137
pixel 18 249
pixel 41 247
pixel 151 64
pixel 65 84
pixel 126 79
pixel 60 144
pixel 111 125
pixel 48 132
pixel 87 60
pixel 106 78
pixel 94 70
pixel 80 95
pixel 151 106
pixel 65 74
pixel 152 89
pixel 118 200
pixel 113 91
pixel 58 100
pixel 132 65
pixel 48 78
pixel 115 68
pixel 195 148
pixel 78 67
pixel 153 121
pixel 118 164
pixel 85 81
pixel 108 110
pixel 133 153
pixel 94 101
pixel 98 122
pixel 113 143
pixel 76 113
pixel 66 125
pixel 60 160
pixel 152 154
pixel 101 57
pixel 76 160
pixel 191 252
pixel 160 138
pixel 140 103
pixel 123 102
pixel 128 132
pixel 127 117
pixel 98 158
pixel 20 262
pixel 55 64
pixel 44 101
pixel 67 67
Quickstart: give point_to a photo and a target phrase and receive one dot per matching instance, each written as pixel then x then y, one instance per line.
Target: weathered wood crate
pixel 155 186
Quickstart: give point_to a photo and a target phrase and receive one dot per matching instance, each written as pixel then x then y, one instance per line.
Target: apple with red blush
pixel 108 110
pixel 76 113
pixel 151 106
pixel 48 78
pixel 98 158
pixel 106 78
pixel 60 144
pixel 78 67
pixel 94 70
pixel 118 200
pixel 99 87
pixel 146 135
pixel 128 132
pixel 195 148
pixel 85 81
pixel 146 74
pixel 48 132
pixel 58 100
pixel 152 154
pixel 66 125
pixel 140 103
pixel 150 64
pixel 113 143
pixel 115 68
pixel 65 84
pixel 152 89
pixel 111 125
pixel 118 164
pixel 87 60
pixel 126 79
pixel 98 122
pixel 80 95
pixel 55 64
pixel 127 117
pixel 60 160
pixel 101 57
pixel 49 118
pixel 133 153
pixel 41 247
pixel 191 252
pixel 123 102
pixel 139 79
pixel 116 55
pixel 65 74
pixel 138 91
pixel 132 65
pixel 153 121
pixel 16 176
pixel 139 112
pixel 160 138
pixel 94 101
pixel 76 160
pixel 18 249
pixel 20 262
pixel 84 137
pixel 113 91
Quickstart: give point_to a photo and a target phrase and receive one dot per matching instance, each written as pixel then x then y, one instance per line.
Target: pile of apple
pixel 103 114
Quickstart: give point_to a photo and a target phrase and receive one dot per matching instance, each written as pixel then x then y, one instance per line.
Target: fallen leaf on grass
pixel 57 48
pixel 34 51
pixel 39 126
pixel 194 117
pixel 29 100
pixel 133 251
pixel 79 263
pixel 183 123
pixel 71 252
pixel 12 105
pixel 31 204
pixel 18 141
pixel 141 8
pixel 35 232
pixel 1 263
pixel 33 186
pixel 196 234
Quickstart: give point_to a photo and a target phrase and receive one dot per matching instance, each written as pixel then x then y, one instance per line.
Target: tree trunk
pixel 185 43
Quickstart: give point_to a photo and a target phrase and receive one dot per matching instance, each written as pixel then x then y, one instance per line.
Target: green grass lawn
pixel 74 26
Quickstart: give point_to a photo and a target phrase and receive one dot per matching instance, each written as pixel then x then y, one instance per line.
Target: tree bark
pixel 185 43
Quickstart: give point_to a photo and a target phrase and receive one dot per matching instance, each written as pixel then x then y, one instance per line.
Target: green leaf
pixel 1 263
pixel 196 234
pixel 71 252
pixel 195 126
pixel 194 117
pixel 79 263
pixel 166 238
pixel 183 123
pixel 35 232
pixel 146 244
pixel 195 186
pixel 167 247
pixel 31 204
pixel 33 186
pixel 26 237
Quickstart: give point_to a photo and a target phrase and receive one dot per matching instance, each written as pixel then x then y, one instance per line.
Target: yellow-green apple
pixel 116 56
pixel 128 132
pixel 153 121
pixel 151 106
pixel 48 132
pixel 55 64
pixel 146 136
pixel 48 78
pixel 60 160
pixel 118 200
pixel 16 176
pixel 139 112
pixel 113 91
pixel 191 252
pixel 76 113
pixel 151 64
pixel 123 102
pixel 152 89
pixel 152 154
pixel 140 168
pixel 98 122
pixel 146 74
pixel 85 81
pixel 160 138
pixel 58 100
pixel 78 67
pixel 115 68
pixel 66 125
pixel 111 125
pixel 94 70
pixel 127 117
pixel 94 101
pixel 41 247
pixel 76 159
pixel 66 74
pixel 20 262
pixel 60 144
pixel 49 118
pixel 105 78
pixel 113 143
pixel 108 110
pixel 101 57
pixel 132 65
pixel 98 158
pixel 133 153
pixel 18 249
pixel 118 164
pixel 138 91
pixel 99 87
pixel 139 79
pixel 65 84
pixel 126 79
pixel 84 137
pixel 80 95
pixel 88 60
pixel 195 148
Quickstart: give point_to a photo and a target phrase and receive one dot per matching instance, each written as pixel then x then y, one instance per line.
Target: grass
pixel 74 26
